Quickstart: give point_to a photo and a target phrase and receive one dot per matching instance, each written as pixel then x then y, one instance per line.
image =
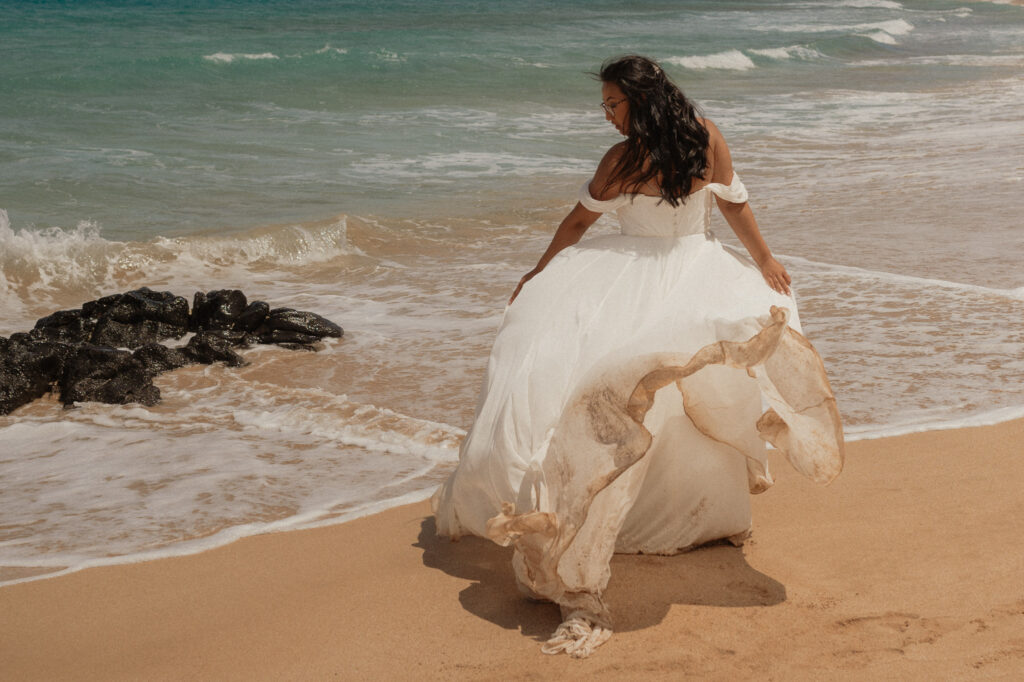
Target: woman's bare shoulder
pixel 719 158
pixel 714 134
pixel 612 156
pixel 600 187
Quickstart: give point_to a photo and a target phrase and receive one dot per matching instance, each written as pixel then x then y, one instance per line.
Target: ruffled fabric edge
pixel 601 435
pixel 735 192
pixel 598 205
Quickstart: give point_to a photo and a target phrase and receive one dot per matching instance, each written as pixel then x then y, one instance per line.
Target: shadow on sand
pixel 714 575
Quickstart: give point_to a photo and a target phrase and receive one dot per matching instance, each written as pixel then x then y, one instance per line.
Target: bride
pixel 636 377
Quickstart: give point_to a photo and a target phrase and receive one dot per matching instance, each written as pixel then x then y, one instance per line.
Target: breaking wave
pixel 56 264
pixel 229 58
pixel 732 60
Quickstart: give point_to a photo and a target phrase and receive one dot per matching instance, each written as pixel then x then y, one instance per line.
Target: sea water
pixel 396 166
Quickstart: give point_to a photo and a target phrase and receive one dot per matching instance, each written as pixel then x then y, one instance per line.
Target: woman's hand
pixel 775 274
pixel 519 287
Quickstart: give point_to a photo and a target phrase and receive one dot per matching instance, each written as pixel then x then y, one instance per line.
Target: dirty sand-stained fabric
pixel 628 397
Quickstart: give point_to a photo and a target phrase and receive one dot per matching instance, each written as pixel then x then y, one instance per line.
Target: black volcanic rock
pixel 308 324
pixel 117 334
pixel 76 349
pixel 137 317
pixel 157 358
pixel 220 309
pixel 126 320
pixel 287 336
pixel 209 347
pixel 253 316
pixel 236 338
pixel 28 369
pixel 141 304
pixel 66 326
pixel 106 375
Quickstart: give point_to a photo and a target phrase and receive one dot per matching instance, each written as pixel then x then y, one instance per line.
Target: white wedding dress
pixel 614 419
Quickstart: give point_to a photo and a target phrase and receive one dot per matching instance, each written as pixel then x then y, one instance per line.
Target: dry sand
pixel 910 566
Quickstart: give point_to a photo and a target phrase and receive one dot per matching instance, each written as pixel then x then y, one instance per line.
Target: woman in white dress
pixel 636 377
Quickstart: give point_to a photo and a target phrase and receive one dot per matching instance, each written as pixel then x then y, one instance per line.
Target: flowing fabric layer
pixel 564 546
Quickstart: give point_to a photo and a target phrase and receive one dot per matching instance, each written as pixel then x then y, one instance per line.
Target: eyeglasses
pixel 610 108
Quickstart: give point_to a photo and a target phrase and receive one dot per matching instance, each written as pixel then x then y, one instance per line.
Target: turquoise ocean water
pixel 396 166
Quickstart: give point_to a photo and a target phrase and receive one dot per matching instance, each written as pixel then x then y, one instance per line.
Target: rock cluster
pixel 110 349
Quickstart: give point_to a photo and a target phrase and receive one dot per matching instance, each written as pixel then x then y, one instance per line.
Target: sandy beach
pixel 907 567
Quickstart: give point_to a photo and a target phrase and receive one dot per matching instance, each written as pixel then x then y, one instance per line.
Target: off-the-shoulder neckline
pixel 634 195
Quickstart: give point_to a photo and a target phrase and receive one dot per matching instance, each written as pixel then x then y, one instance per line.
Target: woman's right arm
pixel 571 229
pixel 568 233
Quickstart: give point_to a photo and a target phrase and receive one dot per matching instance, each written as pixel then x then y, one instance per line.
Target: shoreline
pixel 907 566
pixel 229 535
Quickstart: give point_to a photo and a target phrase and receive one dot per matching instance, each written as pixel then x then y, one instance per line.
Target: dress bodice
pixel 641 215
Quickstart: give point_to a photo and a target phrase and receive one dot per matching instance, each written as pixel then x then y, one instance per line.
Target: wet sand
pixel 907 567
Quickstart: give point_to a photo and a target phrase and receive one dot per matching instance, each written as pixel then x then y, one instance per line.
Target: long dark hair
pixel 666 142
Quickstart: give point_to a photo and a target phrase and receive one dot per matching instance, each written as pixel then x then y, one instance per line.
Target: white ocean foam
pixel 326 49
pixel 842 116
pixel 229 58
pixel 880 37
pixel 884 32
pixel 465 165
pixel 791 52
pixel 519 61
pixel 334 418
pixel 947 60
pixel 462 118
pixel 920 282
pixel 37 264
pixel 911 352
pixel 732 60
pixel 557 125
pixel 896 27
pixel 856 4
pixel 385 55
pixel 886 4
pixel 219 460
pixel 284 245
pixel 314 518
pixel 892 27
pixel 984 418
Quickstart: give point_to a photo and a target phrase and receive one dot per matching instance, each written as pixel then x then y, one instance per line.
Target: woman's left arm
pixel 741 218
